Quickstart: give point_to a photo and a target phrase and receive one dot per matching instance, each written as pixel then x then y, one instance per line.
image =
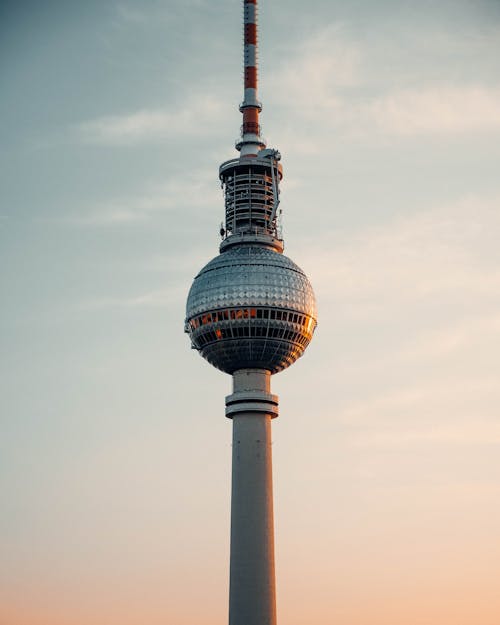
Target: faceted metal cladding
pixel 251 307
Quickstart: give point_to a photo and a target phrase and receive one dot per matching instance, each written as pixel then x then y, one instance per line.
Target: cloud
pixel 452 411
pixel 335 81
pixel 476 432
pixel 314 70
pixel 416 303
pixel 158 298
pixel 439 253
pixel 108 214
pixel 309 81
pixel 131 15
pixel 438 109
pixel 331 81
pixel 193 191
pixel 198 117
pixel 455 339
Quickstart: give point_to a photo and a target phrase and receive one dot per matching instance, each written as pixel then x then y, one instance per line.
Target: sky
pixel 114 449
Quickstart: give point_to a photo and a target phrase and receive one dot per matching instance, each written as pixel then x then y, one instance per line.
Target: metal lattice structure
pixel 250 195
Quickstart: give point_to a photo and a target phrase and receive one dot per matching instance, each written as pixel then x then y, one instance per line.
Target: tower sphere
pixel 251 307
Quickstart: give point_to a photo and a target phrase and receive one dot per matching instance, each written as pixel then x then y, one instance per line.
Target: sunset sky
pixel 114 449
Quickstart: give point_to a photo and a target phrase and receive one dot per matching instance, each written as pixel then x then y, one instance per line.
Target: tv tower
pixel 251 312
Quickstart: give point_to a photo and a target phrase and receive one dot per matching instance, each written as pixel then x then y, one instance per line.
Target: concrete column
pixel 252 594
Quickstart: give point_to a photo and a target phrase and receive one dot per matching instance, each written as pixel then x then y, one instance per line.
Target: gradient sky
pixel 114 449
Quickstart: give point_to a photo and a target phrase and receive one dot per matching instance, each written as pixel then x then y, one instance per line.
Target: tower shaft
pixel 252 594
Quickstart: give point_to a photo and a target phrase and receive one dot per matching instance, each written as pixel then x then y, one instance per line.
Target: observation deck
pixel 251 199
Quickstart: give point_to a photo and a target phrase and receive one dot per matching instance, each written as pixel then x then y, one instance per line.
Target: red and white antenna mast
pixel 251 142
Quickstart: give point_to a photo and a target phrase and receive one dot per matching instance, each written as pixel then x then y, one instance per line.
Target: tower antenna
pixel 251 141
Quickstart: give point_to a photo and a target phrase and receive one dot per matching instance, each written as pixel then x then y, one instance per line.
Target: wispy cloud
pixel 131 15
pixel 441 252
pixel 446 411
pixel 475 432
pixel 334 81
pixel 424 292
pixel 440 109
pixel 193 191
pixel 312 73
pixel 327 82
pixel 456 340
pixel 158 298
pixel 197 117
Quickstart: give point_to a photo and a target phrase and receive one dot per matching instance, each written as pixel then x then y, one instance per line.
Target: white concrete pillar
pixel 252 594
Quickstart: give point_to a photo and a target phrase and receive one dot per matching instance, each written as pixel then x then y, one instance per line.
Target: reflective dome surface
pixel 251 307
